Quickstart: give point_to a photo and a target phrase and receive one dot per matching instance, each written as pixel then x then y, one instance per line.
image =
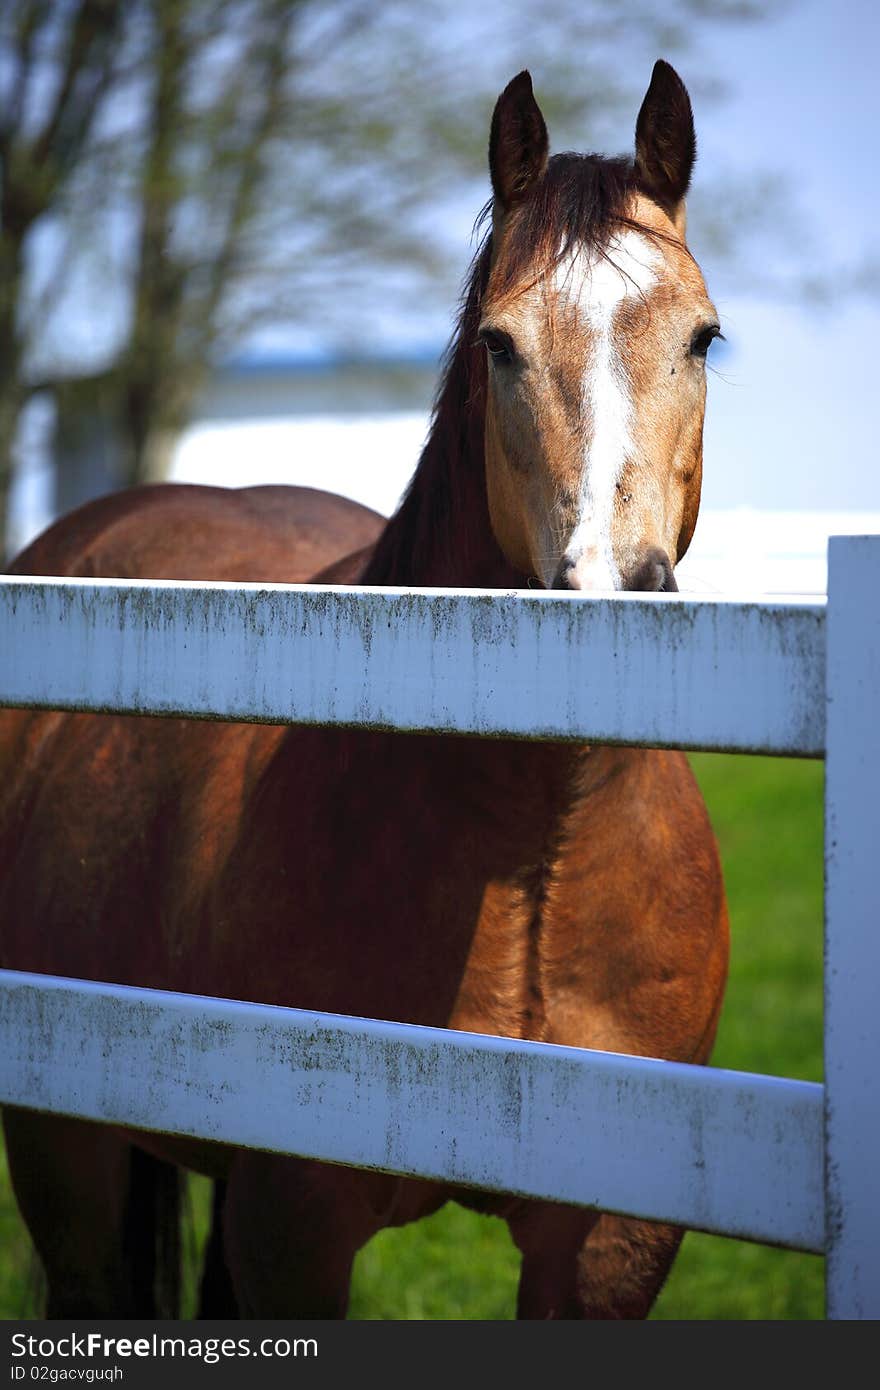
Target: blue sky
pixel 791 419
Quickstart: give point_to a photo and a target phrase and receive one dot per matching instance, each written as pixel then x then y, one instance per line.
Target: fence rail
pixel 658 670
pixel 531 1118
pixel 761 1157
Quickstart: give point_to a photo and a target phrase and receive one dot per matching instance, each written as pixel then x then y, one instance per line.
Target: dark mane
pixel 440 533
pixel 578 203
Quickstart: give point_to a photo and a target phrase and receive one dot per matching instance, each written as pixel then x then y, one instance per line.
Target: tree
pixel 136 123
pixel 174 173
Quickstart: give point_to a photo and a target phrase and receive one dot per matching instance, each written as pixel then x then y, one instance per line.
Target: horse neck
pixel 441 534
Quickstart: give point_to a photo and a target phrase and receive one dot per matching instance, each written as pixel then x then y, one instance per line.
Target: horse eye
pixel 703 338
pixel 498 345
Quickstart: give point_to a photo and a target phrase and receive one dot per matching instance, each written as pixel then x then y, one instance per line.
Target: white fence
pixel 764 1158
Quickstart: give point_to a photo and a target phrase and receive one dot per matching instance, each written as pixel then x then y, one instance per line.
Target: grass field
pixel 768 817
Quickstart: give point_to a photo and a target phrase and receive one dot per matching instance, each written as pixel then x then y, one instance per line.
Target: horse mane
pixel 440 533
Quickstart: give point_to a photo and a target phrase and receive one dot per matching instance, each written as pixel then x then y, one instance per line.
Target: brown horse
pixel 571 895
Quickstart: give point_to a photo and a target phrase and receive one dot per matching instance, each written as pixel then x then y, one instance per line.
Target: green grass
pixel 767 814
pixel 20 1278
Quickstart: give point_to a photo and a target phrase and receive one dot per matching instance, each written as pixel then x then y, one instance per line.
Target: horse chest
pixel 518 889
pixel 408 876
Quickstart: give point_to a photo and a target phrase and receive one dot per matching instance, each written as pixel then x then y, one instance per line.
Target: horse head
pixel 596 323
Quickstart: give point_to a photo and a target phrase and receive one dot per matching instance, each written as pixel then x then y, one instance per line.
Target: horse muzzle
pixel 651 573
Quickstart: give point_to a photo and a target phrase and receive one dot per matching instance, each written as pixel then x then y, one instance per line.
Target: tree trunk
pixel 156 411
pixel 148 458
pixel 115 430
pixel 12 394
pixel 88 444
pixel 11 403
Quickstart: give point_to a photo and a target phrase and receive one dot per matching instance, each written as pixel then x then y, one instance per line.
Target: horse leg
pixel 623 1266
pixel 550 1237
pixel 216 1294
pixel 94 1208
pixel 581 1264
pixel 292 1228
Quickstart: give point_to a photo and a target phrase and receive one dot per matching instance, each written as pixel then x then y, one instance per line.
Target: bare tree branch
pixel 31 18
pixel 84 80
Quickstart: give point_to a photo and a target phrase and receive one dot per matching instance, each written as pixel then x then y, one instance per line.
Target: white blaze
pixel 600 284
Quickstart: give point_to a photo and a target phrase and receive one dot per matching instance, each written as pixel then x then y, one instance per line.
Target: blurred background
pixel 233 235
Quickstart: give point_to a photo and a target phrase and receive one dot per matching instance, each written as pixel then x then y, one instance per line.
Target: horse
pixel 536 890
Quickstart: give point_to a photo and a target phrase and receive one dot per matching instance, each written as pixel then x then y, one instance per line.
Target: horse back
pixel 105 820
pixel 177 531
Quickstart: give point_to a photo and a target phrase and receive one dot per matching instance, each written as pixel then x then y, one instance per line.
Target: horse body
pixel 570 895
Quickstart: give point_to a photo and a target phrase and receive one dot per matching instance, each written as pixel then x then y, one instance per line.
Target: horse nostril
pixel 653 574
pixel 563 576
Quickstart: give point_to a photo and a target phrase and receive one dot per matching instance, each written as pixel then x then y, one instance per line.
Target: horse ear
pixel 517 144
pixel 666 145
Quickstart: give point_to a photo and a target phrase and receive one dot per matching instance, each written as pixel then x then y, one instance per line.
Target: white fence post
pixel 852 930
